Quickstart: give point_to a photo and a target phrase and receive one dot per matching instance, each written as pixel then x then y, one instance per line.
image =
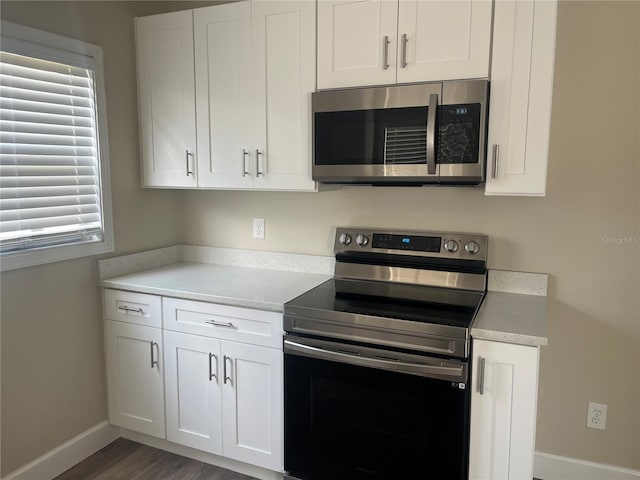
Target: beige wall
pixel 592 199
pixel 52 353
pixel 53 381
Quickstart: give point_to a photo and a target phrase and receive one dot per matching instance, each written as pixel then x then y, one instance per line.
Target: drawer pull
pixel 220 324
pixel 131 310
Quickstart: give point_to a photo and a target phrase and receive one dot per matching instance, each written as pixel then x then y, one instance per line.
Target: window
pixel 54 182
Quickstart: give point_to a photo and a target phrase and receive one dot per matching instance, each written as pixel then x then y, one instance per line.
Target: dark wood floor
pixel 127 460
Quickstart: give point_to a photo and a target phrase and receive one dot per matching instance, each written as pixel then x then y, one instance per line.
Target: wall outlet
pixel 597 415
pixel 258 228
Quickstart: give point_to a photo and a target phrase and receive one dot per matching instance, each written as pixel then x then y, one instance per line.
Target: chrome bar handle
pixel 224 363
pixel 220 324
pixel 245 154
pixel 189 154
pixel 385 50
pixel 211 374
pixel 405 40
pixel 496 159
pixel 259 156
pixel 153 361
pixel 481 366
pixel 431 134
pixel 131 310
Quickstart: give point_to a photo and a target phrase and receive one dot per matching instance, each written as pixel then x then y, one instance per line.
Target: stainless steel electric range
pixel 377 358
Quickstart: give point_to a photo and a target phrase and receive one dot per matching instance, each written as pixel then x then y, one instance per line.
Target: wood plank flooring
pixel 127 460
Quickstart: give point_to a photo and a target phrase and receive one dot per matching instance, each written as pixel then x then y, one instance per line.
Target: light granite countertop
pixel 239 286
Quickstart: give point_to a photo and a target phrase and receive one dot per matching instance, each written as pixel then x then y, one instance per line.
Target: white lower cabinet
pixel 503 411
pixel 135 377
pixel 224 398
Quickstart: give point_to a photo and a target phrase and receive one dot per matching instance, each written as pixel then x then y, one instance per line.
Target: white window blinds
pixel 50 191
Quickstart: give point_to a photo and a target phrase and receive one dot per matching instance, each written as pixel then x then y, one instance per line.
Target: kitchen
pixel 581 234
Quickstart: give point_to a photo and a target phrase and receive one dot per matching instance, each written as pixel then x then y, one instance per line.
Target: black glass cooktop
pixel 397 301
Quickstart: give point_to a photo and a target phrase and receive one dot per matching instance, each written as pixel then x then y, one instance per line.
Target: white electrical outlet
pixel 258 228
pixel 597 415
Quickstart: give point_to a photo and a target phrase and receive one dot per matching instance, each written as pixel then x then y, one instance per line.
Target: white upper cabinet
pixel 222 37
pixel 524 35
pixel 377 42
pixel 166 99
pixel 255 72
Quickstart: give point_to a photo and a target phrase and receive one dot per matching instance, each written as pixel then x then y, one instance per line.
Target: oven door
pixel 354 412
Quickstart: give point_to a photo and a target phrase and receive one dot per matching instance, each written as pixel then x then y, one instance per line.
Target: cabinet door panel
pixel 222 37
pixel 166 91
pixel 193 397
pixel 521 90
pixel 445 40
pixel 351 49
pixel 284 77
pixel 252 405
pixel 503 416
pixel 136 397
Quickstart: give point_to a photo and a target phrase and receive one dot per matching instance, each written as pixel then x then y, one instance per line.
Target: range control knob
pixel 345 239
pixel 451 246
pixel 472 247
pixel 362 240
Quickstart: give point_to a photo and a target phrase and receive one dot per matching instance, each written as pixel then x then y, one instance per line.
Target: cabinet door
pixel 503 414
pixel 252 404
pixel 134 376
pixel 166 96
pixel 354 40
pixel 194 403
pixel 284 46
pixel 521 89
pixel 443 40
pixel 222 38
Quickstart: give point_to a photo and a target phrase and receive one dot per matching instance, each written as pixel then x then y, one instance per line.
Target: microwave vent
pixel 405 145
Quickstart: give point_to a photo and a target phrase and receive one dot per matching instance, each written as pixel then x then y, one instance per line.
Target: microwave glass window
pixel 371 137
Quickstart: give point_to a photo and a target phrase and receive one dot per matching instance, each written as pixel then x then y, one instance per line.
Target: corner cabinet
pixel 503 411
pixel 166 100
pixel 379 42
pixel 250 68
pixel 524 34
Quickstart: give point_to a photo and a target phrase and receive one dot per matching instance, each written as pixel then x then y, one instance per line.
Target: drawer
pixel 245 325
pixel 132 307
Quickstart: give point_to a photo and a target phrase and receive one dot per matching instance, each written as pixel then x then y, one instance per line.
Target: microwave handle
pixel 431 134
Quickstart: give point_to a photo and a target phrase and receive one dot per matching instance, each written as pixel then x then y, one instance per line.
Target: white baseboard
pixel 65 456
pixel 554 467
pixel 240 467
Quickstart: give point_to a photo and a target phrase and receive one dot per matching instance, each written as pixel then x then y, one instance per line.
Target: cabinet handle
pixel 211 374
pixel 245 154
pixel 405 40
pixel 220 324
pixel 496 159
pixel 153 361
pixel 189 154
pixel 259 157
pixel 224 363
pixel 131 310
pixel 481 365
pixel 385 50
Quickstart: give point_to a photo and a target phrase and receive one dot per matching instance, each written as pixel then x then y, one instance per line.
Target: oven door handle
pixel 387 362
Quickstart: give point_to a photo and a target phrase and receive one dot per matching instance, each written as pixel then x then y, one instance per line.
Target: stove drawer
pixel 225 322
pixel 132 307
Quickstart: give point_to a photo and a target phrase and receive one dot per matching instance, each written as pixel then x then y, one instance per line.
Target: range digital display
pixel 406 242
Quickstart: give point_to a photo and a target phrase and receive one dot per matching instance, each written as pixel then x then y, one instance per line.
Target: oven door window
pixel 391 136
pixel 351 422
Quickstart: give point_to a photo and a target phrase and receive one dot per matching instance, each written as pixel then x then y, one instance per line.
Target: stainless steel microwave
pixel 401 135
